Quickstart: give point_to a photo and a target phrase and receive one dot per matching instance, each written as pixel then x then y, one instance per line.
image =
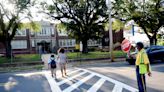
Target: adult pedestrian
pixel 62 60
pixel 142 67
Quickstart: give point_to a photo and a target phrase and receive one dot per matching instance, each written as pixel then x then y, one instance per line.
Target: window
pixel 48 31
pixel 45 31
pixel 32 33
pixel 60 42
pixel 19 44
pixel 21 33
pixel 41 32
pixel 52 31
pixel 33 43
pixel 71 41
pixel 64 42
pixel 68 42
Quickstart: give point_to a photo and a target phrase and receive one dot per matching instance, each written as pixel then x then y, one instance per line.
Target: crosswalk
pixel 82 80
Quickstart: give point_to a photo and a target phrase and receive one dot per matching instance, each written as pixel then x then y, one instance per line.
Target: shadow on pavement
pixel 19 83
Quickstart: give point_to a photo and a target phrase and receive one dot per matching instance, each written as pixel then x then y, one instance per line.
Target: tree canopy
pixel 148 14
pixel 12 12
pixel 84 19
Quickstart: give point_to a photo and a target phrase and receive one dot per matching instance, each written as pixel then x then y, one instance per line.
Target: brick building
pixel 26 41
pixel 48 40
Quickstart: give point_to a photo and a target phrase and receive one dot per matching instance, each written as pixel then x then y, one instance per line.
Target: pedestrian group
pixel 61 60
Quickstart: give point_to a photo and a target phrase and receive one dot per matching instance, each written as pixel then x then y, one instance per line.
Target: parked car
pixel 155 53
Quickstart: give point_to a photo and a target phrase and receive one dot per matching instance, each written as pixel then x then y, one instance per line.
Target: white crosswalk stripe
pixel 79 79
pixel 96 86
pixel 74 86
pixel 70 78
pixel 117 88
pixel 113 81
pixel 69 72
pixel 52 82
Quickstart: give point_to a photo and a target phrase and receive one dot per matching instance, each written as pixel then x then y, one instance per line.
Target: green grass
pixel 3 60
pixel 27 57
pixel 21 58
pixel 72 55
pixel 96 54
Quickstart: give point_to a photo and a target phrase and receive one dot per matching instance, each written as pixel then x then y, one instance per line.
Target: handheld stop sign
pixel 125 45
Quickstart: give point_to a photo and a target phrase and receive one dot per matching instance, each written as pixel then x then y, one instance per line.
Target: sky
pixel 34 11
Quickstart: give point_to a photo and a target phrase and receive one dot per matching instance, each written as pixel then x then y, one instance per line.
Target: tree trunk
pixel 153 40
pixel 8 49
pixel 85 46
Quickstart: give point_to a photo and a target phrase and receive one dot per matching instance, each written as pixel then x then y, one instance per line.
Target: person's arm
pixel 146 61
pixel 49 65
pixel 149 70
pixel 57 56
pixel 137 62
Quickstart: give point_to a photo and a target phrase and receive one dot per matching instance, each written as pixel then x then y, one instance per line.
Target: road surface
pixel 105 77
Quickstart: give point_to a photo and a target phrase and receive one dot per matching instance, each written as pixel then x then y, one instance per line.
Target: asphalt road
pixel 105 77
pixel 125 73
pixel 24 82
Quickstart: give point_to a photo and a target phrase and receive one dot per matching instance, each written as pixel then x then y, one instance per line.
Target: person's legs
pixel 143 82
pixel 139 81
pixel 61 67
pixel 52 70
pixel 65 69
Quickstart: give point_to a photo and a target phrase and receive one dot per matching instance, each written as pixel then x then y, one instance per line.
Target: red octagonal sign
pixel 125 45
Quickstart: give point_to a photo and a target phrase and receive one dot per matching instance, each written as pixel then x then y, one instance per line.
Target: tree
pixel 148 14
pixel 117 25
pixel 12 12
pixel 84 19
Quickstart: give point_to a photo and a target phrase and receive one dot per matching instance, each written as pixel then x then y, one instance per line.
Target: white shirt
pixel 62 58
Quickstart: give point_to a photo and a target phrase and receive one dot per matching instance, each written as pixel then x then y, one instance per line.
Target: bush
pixel 76 50
pixel 161 43
pixel 91 49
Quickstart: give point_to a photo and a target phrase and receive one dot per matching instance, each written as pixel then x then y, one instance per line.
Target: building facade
pixel 27 41
pixel 48 40
pixel 69 43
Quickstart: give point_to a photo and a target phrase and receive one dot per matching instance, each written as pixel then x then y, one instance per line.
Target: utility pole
pixel 109 5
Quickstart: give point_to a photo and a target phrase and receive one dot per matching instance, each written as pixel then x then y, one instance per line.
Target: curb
pixel 20 64
pixel 74 60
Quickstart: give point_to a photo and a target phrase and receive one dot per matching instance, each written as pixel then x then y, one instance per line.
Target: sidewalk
pixel 95 61
pixel 7 67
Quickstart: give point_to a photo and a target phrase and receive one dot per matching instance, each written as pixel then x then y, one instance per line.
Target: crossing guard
pixel 142 67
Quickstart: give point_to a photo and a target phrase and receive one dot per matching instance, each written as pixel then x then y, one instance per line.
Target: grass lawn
pixel 96 54
pixel 21 58
pixel 71 55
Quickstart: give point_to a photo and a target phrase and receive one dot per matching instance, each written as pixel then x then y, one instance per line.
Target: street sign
pixel 125 45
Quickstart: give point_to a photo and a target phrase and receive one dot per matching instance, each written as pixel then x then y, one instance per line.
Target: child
pixel 62 61
pixel 52 65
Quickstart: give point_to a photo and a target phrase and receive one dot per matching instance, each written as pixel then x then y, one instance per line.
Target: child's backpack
pixel 53 64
